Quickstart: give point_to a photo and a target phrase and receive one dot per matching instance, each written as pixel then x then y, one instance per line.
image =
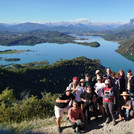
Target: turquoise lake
pixel 53 52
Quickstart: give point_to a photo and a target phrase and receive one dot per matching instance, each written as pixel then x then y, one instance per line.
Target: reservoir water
pixel 53 52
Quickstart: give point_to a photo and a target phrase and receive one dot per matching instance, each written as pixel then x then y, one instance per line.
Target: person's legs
pixel 86 112
pixel 95 111
pixel 101 105
pixel 127 113
pixel 105 104
pixel 111 109
pixel 58 114
pixel 58 120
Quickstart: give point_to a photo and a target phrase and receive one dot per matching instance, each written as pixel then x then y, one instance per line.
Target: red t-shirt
pixel 108 91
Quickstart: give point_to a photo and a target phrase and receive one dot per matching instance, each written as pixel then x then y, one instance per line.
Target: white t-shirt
pixel 98 88
pixel 79 91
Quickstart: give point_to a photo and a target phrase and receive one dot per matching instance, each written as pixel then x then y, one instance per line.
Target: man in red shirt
pixel 76 116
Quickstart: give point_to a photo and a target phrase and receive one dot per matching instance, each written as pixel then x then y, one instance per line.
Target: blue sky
pixel 65 10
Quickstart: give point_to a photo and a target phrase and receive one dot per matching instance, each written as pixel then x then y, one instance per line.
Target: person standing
pixel 88 81
pixel 108 102
pixel 79 90
pixel 108 73
pixel 89 99
pixel 99 86
pixel 62 105
pixel 130 85
pixel 121 77
pixel 74 83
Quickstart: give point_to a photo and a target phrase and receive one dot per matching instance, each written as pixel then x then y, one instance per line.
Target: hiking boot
pixel 114 122
pixel 59 129
pixel 108 120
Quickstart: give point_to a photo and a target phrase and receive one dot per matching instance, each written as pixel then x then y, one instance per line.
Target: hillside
pixel 41 77
pixel 34 37
pixel 126 40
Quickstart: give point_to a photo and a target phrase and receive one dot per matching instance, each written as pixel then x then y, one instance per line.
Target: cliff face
pixel 126 47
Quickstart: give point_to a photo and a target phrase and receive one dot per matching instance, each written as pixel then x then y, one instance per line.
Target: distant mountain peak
pixel 131 22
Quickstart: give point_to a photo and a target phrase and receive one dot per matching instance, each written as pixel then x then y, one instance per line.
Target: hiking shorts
pixel 59 111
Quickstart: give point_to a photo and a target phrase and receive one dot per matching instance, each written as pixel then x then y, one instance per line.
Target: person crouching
pixel 76 116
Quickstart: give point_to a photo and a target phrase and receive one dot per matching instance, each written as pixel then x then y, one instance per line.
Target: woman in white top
pixel 79 90
pixel 99 86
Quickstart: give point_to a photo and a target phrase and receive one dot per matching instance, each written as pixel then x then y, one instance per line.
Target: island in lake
pixel 12 59
pixel 13 51
pixel 91 44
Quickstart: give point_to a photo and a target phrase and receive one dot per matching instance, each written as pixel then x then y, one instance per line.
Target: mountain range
pixel 78 26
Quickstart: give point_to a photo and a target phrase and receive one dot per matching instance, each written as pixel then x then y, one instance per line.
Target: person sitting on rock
pixel 125 105
pixel 62 105
pixel 76 116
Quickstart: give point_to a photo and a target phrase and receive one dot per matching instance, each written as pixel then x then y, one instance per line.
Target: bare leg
pixel 58 121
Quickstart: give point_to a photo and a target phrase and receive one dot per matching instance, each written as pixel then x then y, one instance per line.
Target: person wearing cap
pixel 130 85
pixel 88 81
pixel 79 90
pixel 99 86
pixel 62 105
pixel 108 98
pixel 74 83
pixel 76 116
pixel 97 74
pixel 125 105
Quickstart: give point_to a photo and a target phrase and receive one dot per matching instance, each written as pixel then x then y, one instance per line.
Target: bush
pixel 12 110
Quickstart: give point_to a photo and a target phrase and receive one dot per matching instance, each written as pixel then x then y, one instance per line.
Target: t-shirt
pixel 88 96
pixel 99 87
pixel 108 92
pixel 64 97
pixel 127 103
pixel 79 91
pixel 75 114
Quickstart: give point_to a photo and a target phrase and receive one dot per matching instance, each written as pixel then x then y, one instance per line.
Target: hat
pixel 68 89
pixel 75 78
pixel 97 71
pixel 124 94
pixel 107 82
pixel 86 75
pixel 99 78
pixel 82 80
pixel 129 71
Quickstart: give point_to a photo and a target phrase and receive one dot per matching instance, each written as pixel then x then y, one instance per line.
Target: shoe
pixel 59 129
pixel 114 122
pixel 126 119
pixel 108 120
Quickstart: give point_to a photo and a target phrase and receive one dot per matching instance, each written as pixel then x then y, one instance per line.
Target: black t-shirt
pixel 64 97
pixel 88 96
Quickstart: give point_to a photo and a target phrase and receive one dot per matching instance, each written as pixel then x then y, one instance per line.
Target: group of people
pixel 111 93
